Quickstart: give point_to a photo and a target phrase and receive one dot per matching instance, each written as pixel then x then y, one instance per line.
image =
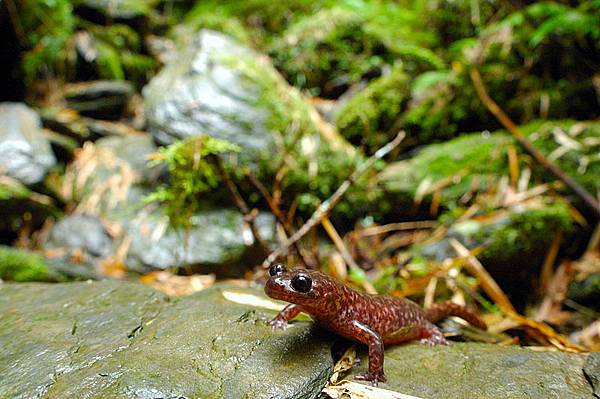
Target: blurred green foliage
pixel 20 265
pixel 49 26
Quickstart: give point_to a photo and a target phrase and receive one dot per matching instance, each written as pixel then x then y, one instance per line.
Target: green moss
pixel 524 233
pixel 249 21
pixel 193 173
pixel 480 157
pixel 316 165
pixel 329 50
pixel 579 140
pixel 288 113
pixel 476 161
pixel 334 48
pixel 120 8
pixel 119 50
pixel 49 25
pixel 13 190
pixel 368 117
pixel 21 266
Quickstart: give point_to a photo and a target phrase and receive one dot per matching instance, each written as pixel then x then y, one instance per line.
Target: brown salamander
pixel 374 320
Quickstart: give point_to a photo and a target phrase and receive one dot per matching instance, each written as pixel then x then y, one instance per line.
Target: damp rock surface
pixel 114 339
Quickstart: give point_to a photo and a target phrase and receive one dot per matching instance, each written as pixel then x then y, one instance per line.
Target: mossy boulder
pixel 511 243
pixel 218 87
pixel 20 265
pixel 369 118
pixel 474 163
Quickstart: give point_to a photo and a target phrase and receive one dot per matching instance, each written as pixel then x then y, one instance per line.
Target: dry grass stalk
pixel 488 284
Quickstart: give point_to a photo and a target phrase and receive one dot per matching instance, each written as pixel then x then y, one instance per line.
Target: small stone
pixel 25 153
pixel 81 232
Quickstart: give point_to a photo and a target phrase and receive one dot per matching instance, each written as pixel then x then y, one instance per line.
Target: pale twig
pixel 330 203
pixel 488 283
pixel 387 228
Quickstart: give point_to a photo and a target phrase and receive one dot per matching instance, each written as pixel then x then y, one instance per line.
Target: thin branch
pixel 387 228
pixel 306 259
pixel 495 109
pixel 328 205
pixel 249 215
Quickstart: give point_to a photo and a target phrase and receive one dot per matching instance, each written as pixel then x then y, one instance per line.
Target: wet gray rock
pixel 117 339
pixel 102 99
pixel 483 371
pixel 81 232
pixel 218 238
pixel 136 151
pixel 201 92
pixel 218 87
pixel 25 153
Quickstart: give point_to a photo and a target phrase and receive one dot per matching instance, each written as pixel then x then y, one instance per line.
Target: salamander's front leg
pixel 369 337
pixel 287 314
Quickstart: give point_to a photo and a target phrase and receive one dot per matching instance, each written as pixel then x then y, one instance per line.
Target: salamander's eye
pixel 301 283
pixel 277 269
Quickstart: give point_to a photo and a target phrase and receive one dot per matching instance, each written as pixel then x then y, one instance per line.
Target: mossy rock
pixel 368 118
pixel 255 109
pixel 512 242
pixel 475 162
pixel 20 265
pixel 479 157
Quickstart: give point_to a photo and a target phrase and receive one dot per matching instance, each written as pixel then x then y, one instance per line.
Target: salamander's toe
pixel 277 324
pixel 375 378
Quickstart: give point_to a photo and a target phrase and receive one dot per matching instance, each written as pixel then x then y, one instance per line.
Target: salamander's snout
pixel 274 286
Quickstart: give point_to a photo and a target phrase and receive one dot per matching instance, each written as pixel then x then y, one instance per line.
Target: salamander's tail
pixel 440 311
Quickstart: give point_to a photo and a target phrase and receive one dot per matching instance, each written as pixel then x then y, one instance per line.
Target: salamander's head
pixel 316 293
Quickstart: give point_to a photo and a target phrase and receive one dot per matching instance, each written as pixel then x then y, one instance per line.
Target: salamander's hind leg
pixel 435 336
pixel 427 334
